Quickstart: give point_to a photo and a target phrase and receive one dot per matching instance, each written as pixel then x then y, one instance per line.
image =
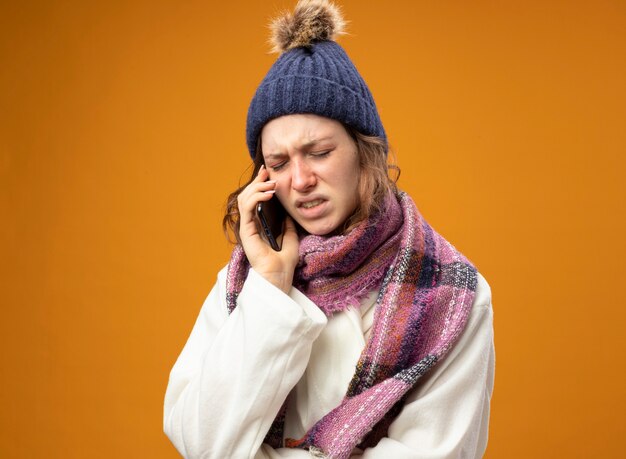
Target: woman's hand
pixel 276 267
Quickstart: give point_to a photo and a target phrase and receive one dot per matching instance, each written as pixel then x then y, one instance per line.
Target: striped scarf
pixel 426 291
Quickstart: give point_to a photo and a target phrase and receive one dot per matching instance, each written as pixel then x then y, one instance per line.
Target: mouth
pixel 312 209
pixel 311 204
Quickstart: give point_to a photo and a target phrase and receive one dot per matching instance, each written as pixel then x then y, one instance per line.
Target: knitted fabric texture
pixel 320 79
pixel 426 292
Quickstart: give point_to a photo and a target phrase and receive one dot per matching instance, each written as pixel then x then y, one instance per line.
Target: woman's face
pixel 316 167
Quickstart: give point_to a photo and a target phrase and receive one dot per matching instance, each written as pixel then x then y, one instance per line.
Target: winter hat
pixel 312 75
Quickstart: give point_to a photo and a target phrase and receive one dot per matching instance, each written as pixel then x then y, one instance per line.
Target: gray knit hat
pixel 312 75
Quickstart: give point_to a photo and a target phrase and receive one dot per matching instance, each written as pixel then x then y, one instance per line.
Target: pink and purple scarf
pixel 426 289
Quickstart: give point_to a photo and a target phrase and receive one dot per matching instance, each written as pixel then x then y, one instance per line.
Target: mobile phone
pixel 272 218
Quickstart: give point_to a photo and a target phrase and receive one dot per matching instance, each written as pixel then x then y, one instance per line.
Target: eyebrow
pixel 314 142
pixel 304 146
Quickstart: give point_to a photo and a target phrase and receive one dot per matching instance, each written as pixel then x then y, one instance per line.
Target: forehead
pixel 296 131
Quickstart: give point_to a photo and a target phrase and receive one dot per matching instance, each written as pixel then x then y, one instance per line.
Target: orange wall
pixel 122 131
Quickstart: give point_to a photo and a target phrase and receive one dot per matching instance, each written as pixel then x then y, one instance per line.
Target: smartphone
pixel 272 218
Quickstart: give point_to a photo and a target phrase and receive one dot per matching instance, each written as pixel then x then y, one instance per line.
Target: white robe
pixel 236 370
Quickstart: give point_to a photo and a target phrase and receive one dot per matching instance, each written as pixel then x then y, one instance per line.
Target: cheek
pixel 282 191
pixel 354 196
pixel 352 184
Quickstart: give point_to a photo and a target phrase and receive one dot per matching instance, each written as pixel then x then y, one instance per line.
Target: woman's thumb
pixel 290 236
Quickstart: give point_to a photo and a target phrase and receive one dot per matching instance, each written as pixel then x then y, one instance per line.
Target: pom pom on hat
pixel 311 21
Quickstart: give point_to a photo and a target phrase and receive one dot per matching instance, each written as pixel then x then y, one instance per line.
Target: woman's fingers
pixel 258 190
pixel 248 202
pixel 276 267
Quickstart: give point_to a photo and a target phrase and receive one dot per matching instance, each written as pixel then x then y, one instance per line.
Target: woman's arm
pixel 447 416
pixel 235 371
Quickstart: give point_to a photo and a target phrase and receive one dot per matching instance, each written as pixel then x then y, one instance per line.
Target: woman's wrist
pixel 280 280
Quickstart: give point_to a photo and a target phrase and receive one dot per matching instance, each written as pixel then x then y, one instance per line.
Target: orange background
pixel 122 132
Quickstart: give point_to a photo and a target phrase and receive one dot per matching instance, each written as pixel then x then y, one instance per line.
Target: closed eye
pixel 320 154
pixel 277 167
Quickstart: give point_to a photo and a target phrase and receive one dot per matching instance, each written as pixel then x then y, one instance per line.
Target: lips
pixel 311 208
pixel 309 201
pixel 310 204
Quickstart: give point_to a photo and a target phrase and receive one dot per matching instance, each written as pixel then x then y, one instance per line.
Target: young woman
pixel 367 334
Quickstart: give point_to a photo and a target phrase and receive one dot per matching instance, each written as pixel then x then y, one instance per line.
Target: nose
pixel 302 176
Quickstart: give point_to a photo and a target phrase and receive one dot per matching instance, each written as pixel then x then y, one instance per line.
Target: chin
pixel 320 229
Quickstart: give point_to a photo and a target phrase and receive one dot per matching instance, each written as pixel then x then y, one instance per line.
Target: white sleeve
pixel 236 370
pixel 447 415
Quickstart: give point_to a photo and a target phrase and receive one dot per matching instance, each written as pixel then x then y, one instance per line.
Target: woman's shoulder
pixel 482 297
